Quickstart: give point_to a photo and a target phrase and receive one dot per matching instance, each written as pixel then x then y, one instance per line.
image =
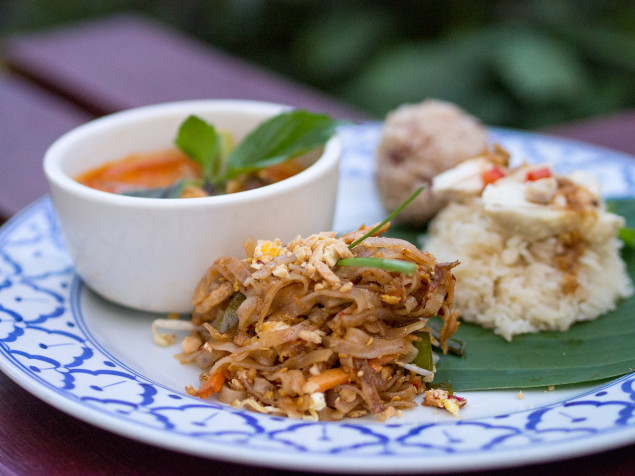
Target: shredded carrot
pixel 211 386
pixel 325 381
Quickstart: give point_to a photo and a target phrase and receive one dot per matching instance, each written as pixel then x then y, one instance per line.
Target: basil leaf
pixel 225 146
pixel 280 138
pixel 200 142
pixel 172 191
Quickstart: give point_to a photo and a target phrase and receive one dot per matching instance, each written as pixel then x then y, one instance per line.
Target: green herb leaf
pixel 424 357
pixel 229 318
pixel 200 142
pixel 172 191
pixel 282 137
pixel 588 351
pixel 396 265
pixel 387 219
pixel 627 235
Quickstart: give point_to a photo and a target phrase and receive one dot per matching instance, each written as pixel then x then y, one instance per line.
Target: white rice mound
pixel 512 285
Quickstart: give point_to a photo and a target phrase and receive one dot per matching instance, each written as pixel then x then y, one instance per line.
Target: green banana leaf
pixel 588 351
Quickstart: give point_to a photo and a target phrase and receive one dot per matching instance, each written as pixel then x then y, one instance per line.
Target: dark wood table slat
pixel 128 61
pixel 36 439
pixel 30 120
pixel 616 131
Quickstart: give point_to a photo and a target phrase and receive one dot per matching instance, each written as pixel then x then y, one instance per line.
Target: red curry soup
pixel 166 168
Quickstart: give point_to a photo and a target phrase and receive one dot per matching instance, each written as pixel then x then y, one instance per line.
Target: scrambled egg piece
pixel 317 253
pixel 265 251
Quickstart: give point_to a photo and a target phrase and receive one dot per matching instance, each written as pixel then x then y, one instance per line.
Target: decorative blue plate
pixel 97 361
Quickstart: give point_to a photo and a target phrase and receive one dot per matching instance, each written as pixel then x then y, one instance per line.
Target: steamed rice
pixel 512 284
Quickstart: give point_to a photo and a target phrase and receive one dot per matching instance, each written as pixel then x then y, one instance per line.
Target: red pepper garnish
pixel 460 401
pixel 537 174
pixel 492 175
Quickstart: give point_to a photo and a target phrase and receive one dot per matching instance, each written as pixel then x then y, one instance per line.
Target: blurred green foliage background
pixel 515 63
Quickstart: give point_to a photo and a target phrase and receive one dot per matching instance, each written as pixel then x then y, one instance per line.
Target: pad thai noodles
pixel 293 330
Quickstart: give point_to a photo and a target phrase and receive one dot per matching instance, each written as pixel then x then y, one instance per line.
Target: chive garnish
pixel 396 265
pixel 388 218
pixel 383 263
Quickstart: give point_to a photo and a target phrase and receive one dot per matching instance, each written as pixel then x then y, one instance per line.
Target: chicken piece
pixel 534 203
pixel 541 191
pixel 505 203
pixel 463 181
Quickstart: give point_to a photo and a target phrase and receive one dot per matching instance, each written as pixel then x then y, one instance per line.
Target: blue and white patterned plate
pixel 97 361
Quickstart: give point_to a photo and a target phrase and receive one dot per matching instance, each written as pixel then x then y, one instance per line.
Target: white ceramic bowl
pixel 149 254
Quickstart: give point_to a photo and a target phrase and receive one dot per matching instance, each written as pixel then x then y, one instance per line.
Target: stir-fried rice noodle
pixel 312 339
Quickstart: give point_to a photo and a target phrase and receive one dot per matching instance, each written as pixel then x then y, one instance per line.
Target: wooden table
pixel 59 79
